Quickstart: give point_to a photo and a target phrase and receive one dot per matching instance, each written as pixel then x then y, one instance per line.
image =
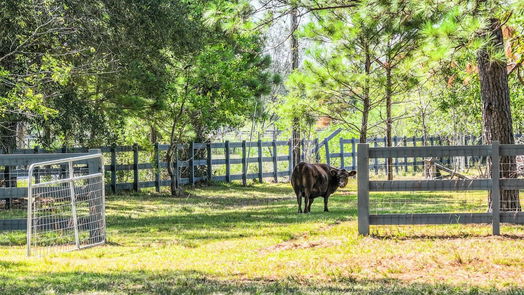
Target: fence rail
pixel 134 167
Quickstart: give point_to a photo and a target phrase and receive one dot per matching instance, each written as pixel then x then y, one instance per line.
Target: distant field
pixel 228 239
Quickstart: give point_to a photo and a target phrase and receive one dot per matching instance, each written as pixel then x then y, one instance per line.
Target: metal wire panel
pixel 66 205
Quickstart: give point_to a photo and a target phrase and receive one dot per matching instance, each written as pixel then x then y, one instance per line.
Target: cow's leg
pixel 306 201
pixel 326 198
pixel 299 201
pixel 309 204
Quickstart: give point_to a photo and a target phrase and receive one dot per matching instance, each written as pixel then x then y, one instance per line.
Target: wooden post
pixel 176 167
pixel 290 159
pixel 317 152
pixel 386 166
pixel 192 163
pixel 209 163
pixel 375 161
pixel 113 168
pixel 244 163
pixel 7 183
pixel 363 189
pixel 414 158
pixel 228 161
pixel 260 165
pixel 353 154
pixel 63 168
pixel 157 168
pixel 275 161
pixel 466 158
pixel 395 143
pixel 328 157
pixel 341 153
pixel 37 169
pixel 495 189
pixel 135 167
pixel 405 141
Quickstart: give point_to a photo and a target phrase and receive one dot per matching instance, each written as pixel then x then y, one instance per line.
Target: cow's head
pixel 342 176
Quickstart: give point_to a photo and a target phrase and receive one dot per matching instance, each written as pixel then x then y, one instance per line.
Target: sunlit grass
pixel 228 239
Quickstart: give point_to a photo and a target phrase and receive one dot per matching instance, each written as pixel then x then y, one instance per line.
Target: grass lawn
pixel 228 239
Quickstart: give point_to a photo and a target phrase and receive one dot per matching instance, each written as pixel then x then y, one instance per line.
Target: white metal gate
pixel 66 205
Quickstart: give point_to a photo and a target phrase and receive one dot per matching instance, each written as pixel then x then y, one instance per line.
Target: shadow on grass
pixel 11 264
pixel 192 282
pixel 223 225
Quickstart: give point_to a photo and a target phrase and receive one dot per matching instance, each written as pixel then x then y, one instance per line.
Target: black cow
pixel 317 180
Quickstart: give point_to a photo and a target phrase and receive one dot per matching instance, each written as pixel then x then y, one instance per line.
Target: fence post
pixel 363 189
pixel 177 175
pixel 341 153
pixel 192 163
pixel 466 158
pixel 328 157
pixel 405 141
pixel 37 169
pixel 260 165
pixel 209 163
pixel 228 161
pixel 157 168
pixel 63 168
pixel 113 168
pixel 135 167
pixel 275 162
pixel 317 152
pixel 395 143
pixel 290 158
pixel 495 189
pixel 244 163
pixel 375 161
pixel 414 158
pixel 353 154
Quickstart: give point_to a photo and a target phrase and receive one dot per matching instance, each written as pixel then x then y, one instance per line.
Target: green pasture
pixel 229 239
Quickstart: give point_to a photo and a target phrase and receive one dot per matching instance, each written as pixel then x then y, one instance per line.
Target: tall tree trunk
pixel 365 96
pixel 496 111
pixel 389 119
pixel 294 66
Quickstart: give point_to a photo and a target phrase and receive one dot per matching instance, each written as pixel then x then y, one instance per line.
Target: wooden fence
pixel 496 184
pixel 133 167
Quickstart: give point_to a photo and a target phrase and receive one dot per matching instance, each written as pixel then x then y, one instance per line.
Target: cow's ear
pixel 333 172
pixel 352 173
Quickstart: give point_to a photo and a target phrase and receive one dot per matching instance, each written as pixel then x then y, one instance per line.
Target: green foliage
pixel 217 88
pixel 85 73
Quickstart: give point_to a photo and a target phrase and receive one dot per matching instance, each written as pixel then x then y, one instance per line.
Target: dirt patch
pixel 293 244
